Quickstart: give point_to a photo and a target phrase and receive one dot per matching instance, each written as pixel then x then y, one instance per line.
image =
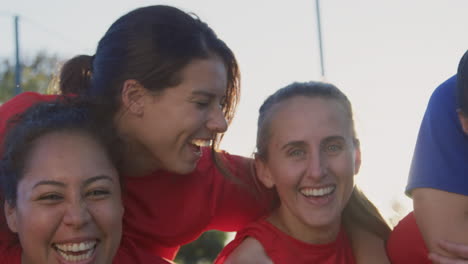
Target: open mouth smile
pixel 198 143
pixel 75 252
pixel 317 192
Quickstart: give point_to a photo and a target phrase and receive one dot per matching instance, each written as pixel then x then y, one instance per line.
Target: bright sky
pixel 387 56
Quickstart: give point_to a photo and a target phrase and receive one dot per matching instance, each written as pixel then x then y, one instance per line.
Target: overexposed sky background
pixel 387 56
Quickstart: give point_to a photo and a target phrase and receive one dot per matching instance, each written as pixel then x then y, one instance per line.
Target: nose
pixel 217 122
pixel 317 166
pixel 76 214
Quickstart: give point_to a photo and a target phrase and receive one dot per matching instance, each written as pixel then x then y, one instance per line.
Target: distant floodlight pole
pixel 18 63
pixel 319 32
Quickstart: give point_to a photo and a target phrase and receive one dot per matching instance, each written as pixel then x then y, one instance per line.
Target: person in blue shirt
pixel 438 181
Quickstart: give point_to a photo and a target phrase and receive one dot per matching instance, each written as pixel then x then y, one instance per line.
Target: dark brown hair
pixel 151 45
pixel 64 115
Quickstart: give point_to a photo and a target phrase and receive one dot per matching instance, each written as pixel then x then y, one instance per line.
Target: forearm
pixel 441 216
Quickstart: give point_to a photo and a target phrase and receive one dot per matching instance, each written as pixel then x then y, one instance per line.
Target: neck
pixel 137 158
pixel 137 161
pixel 302 231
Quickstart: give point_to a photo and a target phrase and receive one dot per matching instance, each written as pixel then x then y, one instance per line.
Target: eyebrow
pixel 49 182
pixel 63 185
pixel 299 143
pixel 203 93
pixel 97 178
pixel 333 138
pixel 295 143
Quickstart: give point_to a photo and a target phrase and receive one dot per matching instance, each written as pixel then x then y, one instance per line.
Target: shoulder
pixel 442 103
pixel 363 241
pixel 223 167
pixel 250 251
pixel 441 143
pixel 230 160
pixel 444 94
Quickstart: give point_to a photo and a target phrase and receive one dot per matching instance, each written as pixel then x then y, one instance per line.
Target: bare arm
pixel 441 216
pixel 460 250
pixel 367 247
pixel 250 251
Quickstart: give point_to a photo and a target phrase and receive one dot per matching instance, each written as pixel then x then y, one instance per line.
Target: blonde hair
pixel 359 210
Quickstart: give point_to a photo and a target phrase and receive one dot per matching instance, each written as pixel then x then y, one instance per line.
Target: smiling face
pixel 68 208
pixel 311 162
pixel 169 127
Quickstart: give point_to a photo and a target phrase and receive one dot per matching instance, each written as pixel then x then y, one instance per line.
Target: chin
pixel 185 168
pixel 322 221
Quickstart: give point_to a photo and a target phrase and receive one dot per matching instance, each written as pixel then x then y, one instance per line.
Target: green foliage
pixel 37 73
pixel 203 250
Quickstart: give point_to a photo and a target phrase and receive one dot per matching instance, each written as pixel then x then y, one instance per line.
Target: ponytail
pixel 361 211
pixel 75 75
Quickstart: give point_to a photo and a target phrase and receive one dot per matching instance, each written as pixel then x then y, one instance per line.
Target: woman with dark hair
pixel 61 189
pixel 170 86
pixel 308 152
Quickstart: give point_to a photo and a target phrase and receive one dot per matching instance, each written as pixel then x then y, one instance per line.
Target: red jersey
pixel 282 248
pixel 406 244
pixel 164 210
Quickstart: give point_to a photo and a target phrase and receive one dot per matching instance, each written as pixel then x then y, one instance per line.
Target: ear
pixel 463 120
pixel 132 96
pixel 357 156
pixel 263 173
pixel 10 215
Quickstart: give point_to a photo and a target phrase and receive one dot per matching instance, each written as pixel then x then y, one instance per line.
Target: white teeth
pixel 201 142
pixel 76 247
pixel 317 191
pixel 80 257
pixel 85 248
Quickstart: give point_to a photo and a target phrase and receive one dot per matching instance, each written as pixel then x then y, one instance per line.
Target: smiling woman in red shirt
pixel 307 150
pixel 170 87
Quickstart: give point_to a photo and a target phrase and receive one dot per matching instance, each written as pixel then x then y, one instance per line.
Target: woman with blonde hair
pixel 308 152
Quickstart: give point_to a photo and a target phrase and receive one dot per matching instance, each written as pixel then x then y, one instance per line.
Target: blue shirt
pixel 440 159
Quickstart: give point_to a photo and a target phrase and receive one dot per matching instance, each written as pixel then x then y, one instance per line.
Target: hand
pixel 458 251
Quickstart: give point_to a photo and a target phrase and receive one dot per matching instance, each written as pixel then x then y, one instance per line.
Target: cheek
pixel 349 187
pixel 194 119
pixel 288 177
pixel 107 215
pixel 346 175
pixel 37 226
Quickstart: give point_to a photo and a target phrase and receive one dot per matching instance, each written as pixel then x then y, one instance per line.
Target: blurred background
pixel 387 56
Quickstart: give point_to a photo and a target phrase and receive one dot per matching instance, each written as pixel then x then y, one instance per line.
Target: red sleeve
pixel 237 201
pixel 9 253
pixel 405 244
pixel 17 105
pixel 164 211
